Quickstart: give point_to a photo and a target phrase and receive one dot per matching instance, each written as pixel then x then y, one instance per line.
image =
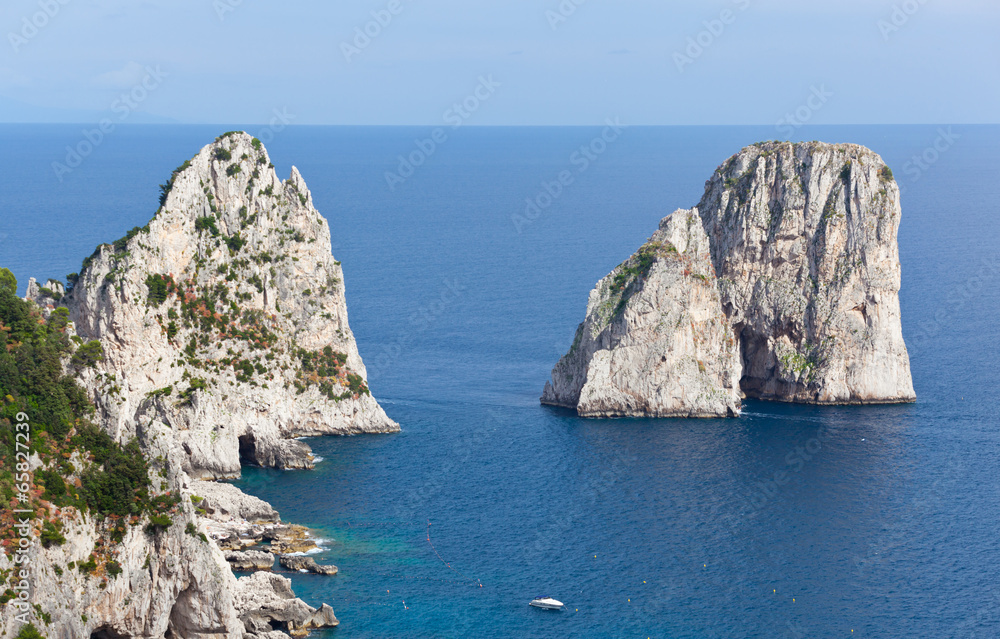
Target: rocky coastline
pixel 212 338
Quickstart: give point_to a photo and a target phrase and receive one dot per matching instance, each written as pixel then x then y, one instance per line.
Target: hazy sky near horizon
pixel 548 61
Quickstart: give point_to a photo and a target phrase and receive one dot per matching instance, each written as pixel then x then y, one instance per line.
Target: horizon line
pixel 485 126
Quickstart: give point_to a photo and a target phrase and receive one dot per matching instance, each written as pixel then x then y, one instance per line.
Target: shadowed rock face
pixel 803 260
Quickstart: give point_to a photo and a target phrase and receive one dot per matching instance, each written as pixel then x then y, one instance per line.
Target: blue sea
pixel 462 298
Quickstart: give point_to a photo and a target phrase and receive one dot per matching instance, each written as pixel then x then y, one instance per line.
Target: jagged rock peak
pixel 804 264
pixel 225 319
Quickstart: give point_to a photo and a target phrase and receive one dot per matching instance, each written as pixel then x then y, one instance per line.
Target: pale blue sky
pixel 941 65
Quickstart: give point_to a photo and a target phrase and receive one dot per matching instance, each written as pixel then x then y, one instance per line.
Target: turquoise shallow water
pixel 888 525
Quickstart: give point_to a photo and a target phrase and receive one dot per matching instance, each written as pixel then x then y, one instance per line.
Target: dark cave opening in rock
pixel 248 449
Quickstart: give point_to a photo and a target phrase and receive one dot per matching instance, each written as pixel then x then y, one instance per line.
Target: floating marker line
pixel 445 562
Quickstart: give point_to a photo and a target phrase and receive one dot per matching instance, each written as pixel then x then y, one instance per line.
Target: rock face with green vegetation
pixel 213 336
pixel 655 341
pixel 803 245
pixel 117 544
pixel 224 321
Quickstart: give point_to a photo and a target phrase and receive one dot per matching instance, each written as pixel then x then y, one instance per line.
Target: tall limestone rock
pixel 214 335
pixel 804 242
pixel 225 320
pixel 805 268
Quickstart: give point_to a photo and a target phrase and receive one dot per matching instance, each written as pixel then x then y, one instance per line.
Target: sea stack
pixel 801 269
pixel 225 320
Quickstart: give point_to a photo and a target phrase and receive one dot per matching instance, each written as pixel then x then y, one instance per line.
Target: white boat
pixel 548 603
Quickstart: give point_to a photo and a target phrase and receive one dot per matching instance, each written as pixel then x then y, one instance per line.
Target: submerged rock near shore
pixel 802 269
pixel 214 336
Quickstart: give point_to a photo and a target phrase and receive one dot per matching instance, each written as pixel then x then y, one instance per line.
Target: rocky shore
pixel 213 337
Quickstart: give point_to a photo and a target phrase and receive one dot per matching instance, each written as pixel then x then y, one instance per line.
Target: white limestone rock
pixel 264 600
pixel 249 560
pixel 243 253
pixel 284 282
pixel 804 242
pixel 224 502
pixel 301 563
pixel 171 584
pixel 800 259
pixel 655 341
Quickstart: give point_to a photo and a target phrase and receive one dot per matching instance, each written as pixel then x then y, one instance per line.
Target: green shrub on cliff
pixel 159 288
pixel 51 535
pixel 122 243
pixel 88 355
pixel 206 223
pixel 636 267
pixel 8 281
pixel 169 185
pixel 31 376
pixel 119 482
pixel 29 631
pixel 115 479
